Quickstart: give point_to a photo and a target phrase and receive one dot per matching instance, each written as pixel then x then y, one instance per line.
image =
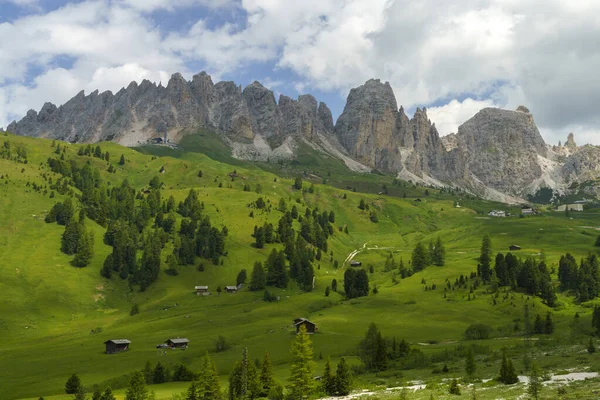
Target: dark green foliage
pixel 258 280
pixel 372 350
pixel 373 217
pixel 484 268
pixel 508 374
pixel 85 249
pixel 334 285
pixel 538 325
pixel 535 384
pixel 470 365
pixel 356 283
pixel 478 332
pixel 596 320
pixel 73 234
pixel 454 388
pixel 363 205
pixel 438 256
pixel 122 160
pixel 221 344
pixel 276 271
pixel 137 389
pixel 159 373
pixel 108 394
pixel 241 277
pixel 266 377
pixel 135 309
pixel 297 183
pixel 343 378
pixel 327 290
pixel 549 324
pixel 269 297
pixel 302 369
pixel 80 394
pixel 244 380
pixel 61 213
pixel 329 380
pixel 73 384
pixel 591 349
pixel 420 258
pixel 182 373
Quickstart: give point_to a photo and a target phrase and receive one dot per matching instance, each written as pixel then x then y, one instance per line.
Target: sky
pixel 453 57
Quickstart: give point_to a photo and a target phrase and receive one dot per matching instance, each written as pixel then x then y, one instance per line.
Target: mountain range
pixel 497 154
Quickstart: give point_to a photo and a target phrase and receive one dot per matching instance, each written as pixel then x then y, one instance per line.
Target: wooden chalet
pixel 117 345
pixel 311 327
pixel 177 343
pixel 201 290
pixel 355 263
pixel 231 289
pixel 514 247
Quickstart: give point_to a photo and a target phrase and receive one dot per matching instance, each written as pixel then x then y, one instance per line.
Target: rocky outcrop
pixel 498 153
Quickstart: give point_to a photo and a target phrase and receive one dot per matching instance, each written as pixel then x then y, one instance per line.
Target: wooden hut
pixel 117 345
pixel 231 289
pixel 355 263
pixel 514 247
pixel 201 290
pixel 177 343
pixel 310 326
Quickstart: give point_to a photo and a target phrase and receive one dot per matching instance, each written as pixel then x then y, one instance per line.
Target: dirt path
pixel 363 248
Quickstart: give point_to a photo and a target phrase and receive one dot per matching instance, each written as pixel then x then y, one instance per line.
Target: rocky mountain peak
pixel 571 142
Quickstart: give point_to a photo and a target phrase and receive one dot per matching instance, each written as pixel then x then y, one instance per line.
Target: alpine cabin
pixel 310 326
pixel 177 343
pixel 117 345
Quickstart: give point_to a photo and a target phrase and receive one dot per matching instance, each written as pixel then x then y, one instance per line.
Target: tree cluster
pixel 583 280
pixel 356 283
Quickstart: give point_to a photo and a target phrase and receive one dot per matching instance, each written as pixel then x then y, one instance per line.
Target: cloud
pixel 540 53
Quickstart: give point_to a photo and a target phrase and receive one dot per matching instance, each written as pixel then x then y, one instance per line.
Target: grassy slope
pixel 48 308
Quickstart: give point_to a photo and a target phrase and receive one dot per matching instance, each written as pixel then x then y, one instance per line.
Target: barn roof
pixel 299 321
pixel 201 287
pixel 118 341
pixel 178 340
pixel 231 287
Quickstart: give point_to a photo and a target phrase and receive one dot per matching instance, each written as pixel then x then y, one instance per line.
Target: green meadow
pixel 54 317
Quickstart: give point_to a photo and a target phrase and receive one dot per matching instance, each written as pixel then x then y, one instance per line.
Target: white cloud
pixel 541 53
pixel 449 117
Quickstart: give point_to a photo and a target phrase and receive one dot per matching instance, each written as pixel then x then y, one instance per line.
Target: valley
pixel 55 318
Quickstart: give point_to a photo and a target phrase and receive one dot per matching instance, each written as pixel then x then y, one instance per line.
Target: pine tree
pixel 71 237
pixel 439 253
pixel 470 366
pixel 137 389
pixel 372 350
pixel 85 249
pixel 538 325
pixel 485 258
pixel 549 325
pixel 329 379
pixel 591 347
pixel 210 388
pixel 73 384
pixel 301 381
pixel 97 395
pixel 596 320
pixel 420 260
pixel 108 394
pixel 122 160
pixel 241 278
pixel 508 375
pixel 454 388
pixel 535 384
pixel 266 378
pixel 159 375
pixel 148 372
pixel 258 280
pixel 193 392
pixel 81 394
pixel 343 378
pixel 298 183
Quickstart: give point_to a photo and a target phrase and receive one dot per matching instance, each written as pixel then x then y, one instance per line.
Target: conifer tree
pixel 591 347
pixel 97 394
pixel 159 373
pixel 108 394
pixel 210 388
pixel 193 392
pixel 81 394
pixel 538 325
pixel 549 324
pixel 439 253
pixel 485 259
pixel 535 385
pixel 343 378
pixel 266 378
pixel 470 366
pixel 508 374
pixel 71 237
pixel 258 280
pixel 137 389
pixel 85 249
pixel 301 381
pixel 420 259
pixel 454 388
pixel 73 384
pixel 372 350
pixel 122 160
pixel 329 379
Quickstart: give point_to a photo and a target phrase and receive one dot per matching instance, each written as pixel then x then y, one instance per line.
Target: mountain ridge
pixel 497 154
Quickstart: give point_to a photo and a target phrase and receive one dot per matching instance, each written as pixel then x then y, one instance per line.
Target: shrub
pixel 478 332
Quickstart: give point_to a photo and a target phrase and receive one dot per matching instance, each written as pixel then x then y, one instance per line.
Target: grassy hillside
pixel 49 308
